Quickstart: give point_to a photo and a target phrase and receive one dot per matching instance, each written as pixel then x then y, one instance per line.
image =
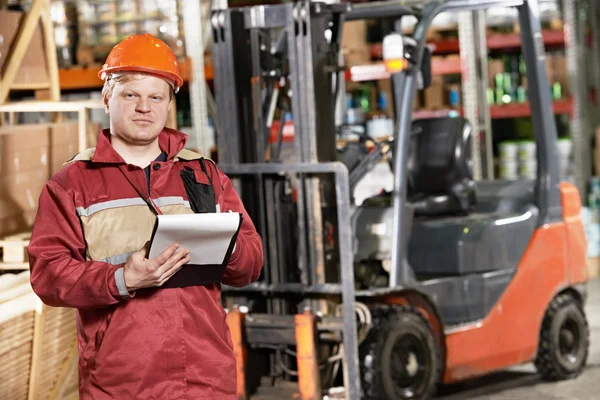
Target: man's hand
pixel 141 272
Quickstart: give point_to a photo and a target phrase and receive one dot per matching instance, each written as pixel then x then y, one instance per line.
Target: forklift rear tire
pixel 400 358
pixel 564 340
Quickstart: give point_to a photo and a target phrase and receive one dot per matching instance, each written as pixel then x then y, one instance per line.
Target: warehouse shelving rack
pixel 472 65
pixel 577 15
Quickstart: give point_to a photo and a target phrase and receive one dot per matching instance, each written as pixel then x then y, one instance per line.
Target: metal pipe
pixel 395 9
pixel 403 84
pixel 542 115
pixel 378 10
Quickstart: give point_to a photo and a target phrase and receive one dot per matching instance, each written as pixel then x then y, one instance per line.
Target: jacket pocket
pixel 98 340
pixel 199 190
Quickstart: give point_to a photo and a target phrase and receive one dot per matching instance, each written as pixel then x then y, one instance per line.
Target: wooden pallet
pixel 14 251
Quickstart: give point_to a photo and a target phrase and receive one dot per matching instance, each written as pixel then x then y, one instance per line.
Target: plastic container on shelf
pixel 107 33
pixel 380 126
pixel 86 12
pixel 528 169
pixel 509 151
pixel 454 94
pixel 58 12
pixel 87 35
pixel 509 169
pixel 355 116
pixel 527 151
pixel 128 10
pixel 148 8
pixel 565 146
pixel 106 11
pixel 150 26
pixel 126 29
pixel 61 36
pixel 167 9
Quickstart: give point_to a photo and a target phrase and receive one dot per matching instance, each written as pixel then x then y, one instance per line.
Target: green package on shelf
pixel 508 82
pixel 521 94
pixel 490 96
pixel 500 96
pixel 557 91
pixel 499 81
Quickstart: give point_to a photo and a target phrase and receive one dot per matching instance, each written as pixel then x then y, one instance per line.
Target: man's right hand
pixel 141 272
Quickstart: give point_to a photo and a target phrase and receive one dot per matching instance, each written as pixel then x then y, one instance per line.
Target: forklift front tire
pixel 400 358
pixel 564 340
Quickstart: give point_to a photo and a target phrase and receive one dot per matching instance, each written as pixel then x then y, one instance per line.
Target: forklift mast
pixel 286 57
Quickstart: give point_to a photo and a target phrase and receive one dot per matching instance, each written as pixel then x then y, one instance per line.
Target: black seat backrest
pixel 440 167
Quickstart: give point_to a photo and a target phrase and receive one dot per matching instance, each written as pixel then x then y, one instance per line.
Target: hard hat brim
pixel 176 79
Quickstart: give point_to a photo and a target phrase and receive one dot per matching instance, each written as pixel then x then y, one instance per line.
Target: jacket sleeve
pixel 60 275
pixel 247 259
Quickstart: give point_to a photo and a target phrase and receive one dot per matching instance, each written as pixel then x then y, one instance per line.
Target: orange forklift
pixel 442 279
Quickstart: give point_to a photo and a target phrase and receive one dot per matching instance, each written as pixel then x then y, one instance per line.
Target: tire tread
pixel 384 318
pixel 545 362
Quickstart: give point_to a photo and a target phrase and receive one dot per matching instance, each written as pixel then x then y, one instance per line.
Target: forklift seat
pixel 440 173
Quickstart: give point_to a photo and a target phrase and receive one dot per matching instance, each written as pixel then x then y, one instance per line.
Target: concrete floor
pixel 523 383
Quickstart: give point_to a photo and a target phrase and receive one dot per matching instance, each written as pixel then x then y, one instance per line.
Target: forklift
pixel 443 278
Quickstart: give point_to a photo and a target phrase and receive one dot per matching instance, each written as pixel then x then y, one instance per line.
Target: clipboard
pixel 210 237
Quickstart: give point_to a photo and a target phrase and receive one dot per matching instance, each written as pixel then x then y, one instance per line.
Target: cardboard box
pixel 23 188
pixel 28 158
pixel 16 223
pixel 34 135
pixel 550 69
pixel 33 67
pixel 35 157
pixel 64 133
pixel 354 35
pixel 560 72
pixel 435 94
pixel 494 67
pixel 385 86
pixel 354 43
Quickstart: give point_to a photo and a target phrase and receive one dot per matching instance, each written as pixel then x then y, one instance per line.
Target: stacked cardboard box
pixel 33 67
pixel 355 47
pixel 28 158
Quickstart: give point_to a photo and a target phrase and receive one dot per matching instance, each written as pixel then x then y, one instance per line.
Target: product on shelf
pixel 106 11
pixel 128 10
pixel 565 148
pixel 103 23
pixel 509 160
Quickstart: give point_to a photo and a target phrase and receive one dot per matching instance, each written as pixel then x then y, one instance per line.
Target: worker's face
pixel 138 109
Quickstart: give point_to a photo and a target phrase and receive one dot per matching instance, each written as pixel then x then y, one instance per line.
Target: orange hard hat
pixel 143 53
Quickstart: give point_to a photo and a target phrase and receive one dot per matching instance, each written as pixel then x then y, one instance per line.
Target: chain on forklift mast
pixel 443 278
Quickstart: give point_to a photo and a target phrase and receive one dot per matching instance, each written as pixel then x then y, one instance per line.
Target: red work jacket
pixel 164 343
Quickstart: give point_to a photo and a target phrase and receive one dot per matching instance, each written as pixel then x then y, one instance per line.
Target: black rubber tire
pixel 393 326
pixel 564 324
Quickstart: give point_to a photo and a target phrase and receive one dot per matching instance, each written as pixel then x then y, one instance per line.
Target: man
pixel 139 338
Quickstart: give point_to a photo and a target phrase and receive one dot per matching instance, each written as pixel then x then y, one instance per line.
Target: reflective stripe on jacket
pixel 162 343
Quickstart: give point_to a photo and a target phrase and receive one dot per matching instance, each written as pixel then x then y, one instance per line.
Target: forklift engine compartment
pixel 441 279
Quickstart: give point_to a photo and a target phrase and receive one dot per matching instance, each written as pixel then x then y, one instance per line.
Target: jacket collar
pixel 170 142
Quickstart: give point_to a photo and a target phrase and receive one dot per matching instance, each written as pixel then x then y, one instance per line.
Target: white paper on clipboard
pixel 207 235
